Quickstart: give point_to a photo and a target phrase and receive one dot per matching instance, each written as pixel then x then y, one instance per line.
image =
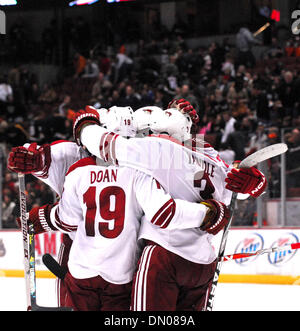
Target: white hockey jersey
pixel 63 154
pixel 104 206
pixel 186 173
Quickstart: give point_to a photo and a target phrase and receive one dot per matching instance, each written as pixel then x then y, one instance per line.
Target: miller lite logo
pixel 283 256
pixel 250 244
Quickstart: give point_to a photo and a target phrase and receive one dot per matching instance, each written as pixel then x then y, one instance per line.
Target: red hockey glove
pixel 185 107
pixel 30 160
pixel 82 118
pixel 40 218
pixel 217 217
pixel 247 181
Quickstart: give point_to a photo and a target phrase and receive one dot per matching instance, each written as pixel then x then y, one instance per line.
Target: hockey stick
pixel 59 271
pixel 29 255
pixel 250 161
pixel 260 30
pixel 237 256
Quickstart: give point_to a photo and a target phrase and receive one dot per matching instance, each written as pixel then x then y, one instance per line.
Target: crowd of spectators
pixel 242 102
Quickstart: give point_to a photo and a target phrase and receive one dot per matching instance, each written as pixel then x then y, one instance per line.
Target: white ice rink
pixel 229 297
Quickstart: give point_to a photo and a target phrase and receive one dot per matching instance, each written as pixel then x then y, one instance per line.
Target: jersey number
pixel 206 186
pixel 109 197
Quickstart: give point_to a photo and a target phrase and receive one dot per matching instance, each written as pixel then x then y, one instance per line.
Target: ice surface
pixel 229 297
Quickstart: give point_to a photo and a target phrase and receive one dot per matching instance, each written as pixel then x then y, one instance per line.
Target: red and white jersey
pixel 104 207
pixel 63 154
pixel 186 173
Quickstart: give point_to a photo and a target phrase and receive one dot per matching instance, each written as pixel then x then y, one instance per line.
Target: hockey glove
pixel 247 181
pixel 30 160
pixel 185 107
pixel 217 217
pixel 40 218
pixel 82 118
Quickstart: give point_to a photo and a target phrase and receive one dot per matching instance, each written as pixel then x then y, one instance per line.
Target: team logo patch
pixel 250 244
pixel 281 257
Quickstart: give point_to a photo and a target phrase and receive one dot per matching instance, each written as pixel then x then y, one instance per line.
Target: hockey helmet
pixel 172 122
pixel 142 119
pixel 120 120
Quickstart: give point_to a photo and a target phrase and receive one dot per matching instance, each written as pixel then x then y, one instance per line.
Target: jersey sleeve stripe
pixel 102 147
pixel 113 152
pixel 107 147
pixel 165 214
pixel 169 214
pixel 63 226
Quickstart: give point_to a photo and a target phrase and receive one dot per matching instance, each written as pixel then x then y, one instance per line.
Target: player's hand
pixel 30 160
pixel 217 217
pixel 40 218
pixel 247 181
pixel 185 107
pixel 82 118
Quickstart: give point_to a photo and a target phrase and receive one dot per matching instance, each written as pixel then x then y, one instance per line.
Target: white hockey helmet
pixel 142 119
pixel 172 122
pixel 120 120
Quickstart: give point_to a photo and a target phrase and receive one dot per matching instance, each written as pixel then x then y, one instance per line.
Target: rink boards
pixel 274 268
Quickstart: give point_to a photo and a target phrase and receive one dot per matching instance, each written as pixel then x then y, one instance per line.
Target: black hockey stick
pixel 250 161
pixel 29 255
pixel 59 271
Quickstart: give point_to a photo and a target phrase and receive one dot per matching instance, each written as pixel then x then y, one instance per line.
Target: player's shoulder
pixel 165 138
pixel 65 146
pixel 87 161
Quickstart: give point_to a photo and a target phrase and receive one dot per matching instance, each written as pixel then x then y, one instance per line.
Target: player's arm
pixel 48 162
pixel 112 148
pixel 165 212
pixel 63 216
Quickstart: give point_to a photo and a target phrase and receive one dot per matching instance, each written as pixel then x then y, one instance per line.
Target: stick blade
pixel 263 155
pixel 40 308
pixel 54 266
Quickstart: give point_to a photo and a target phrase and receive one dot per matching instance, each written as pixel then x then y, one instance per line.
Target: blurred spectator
pixel 260 101
pixel 229 126
pixel 64 106
pixel 289 93
pixel 100 86
pixel 48 94
pixel 9 211
pixel 124 65
pixel 131 98
pixel 6 94
pixel 228 66
pixel 79 64
pixel 244 43
pixel 258 140
pixel 236 141
pixel 293 157
pixel 91 69
pixel 275 51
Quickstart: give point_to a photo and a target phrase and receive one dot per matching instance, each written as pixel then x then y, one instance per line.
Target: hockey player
pixel 104 205
pixel 50 163
pixel 176 268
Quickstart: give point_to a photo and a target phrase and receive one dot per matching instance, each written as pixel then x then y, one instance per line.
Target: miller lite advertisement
pixel 284 262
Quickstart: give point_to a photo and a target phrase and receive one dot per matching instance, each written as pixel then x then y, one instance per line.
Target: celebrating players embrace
pixel 139 202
